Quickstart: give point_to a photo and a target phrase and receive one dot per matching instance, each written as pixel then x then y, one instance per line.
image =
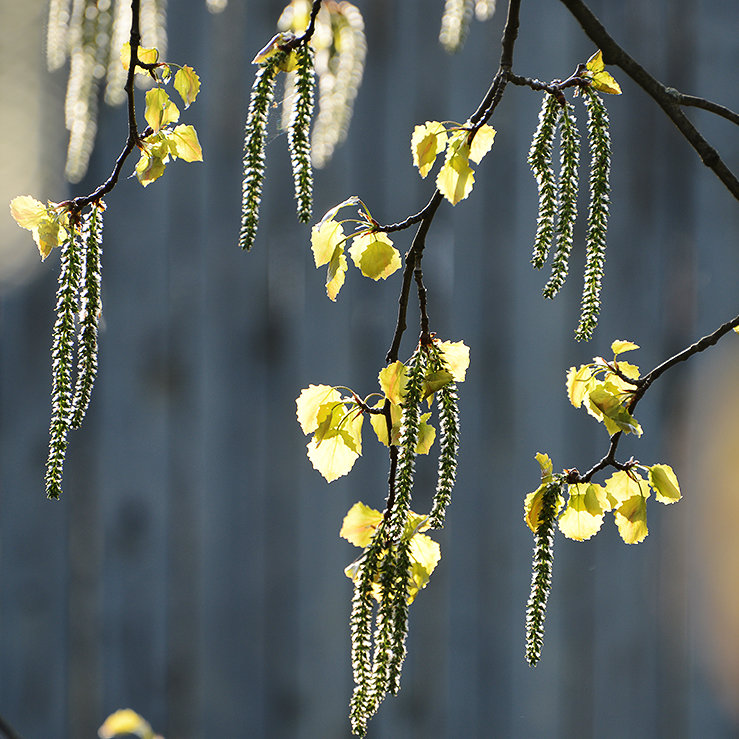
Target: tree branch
pixel 7 730
pixel 609 460
pixel 614 54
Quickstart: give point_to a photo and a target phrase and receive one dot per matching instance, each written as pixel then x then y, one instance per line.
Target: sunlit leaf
pixel 620 346
pixel 145 56
pixel 309 403
pixel 610 406
pixel 160 110
pixel 332 456
pixel 329 214
pixel 426 435
pixel 665 484
pixel 375 255
pixel 48 225
pixel 187 83
pixel 393 381
pixel 456 178
pixel 325 237
pixel 456 356
pixel 154 157
pixel 482 143
pixel 336 273
pixel 545 463
pixel 427 142
pixel 434 381
pixel 272 47
pixel 184 143
pixel 425 554
pixel 124 722
pixel 622 485
pixel 360 524
pixel 631 519
pixel 601 80
pixel 379 423
pixel 583 515
pixel 27 211
pixel 579 384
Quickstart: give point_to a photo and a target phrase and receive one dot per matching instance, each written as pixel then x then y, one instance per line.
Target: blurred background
pixel 193 571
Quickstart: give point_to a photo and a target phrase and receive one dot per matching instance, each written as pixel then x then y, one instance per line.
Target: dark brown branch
pixel 696 102
pixel 609 460
pixel 77 204
pixel 7 731
pixel 614 54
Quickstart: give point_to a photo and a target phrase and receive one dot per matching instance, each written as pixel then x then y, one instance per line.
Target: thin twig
pixel 7 730
pixel 609 460
pixel 614 54
pixel 696 102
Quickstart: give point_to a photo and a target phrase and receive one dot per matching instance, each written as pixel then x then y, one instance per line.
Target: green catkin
pixel 541 575
pixel 255 134
pixel 62 351
pixel 567 187
pixel 298 134
pixel 597 226
pixel 447 403
pixel 539 159
pixel 90 308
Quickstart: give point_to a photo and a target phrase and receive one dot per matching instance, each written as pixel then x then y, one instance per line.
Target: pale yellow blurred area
pixel 33 133
pixel 710 485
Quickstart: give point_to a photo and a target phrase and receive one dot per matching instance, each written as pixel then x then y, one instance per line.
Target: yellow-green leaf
pixel 309 403
pixel 545 463
pixel 153 161
pixel 425 554
pixel 336 273
pixel 187 83
pixel 426 435
pixel 583 515
pixel 456 355
pixel 325 237
pixel 622 485
pixel 610 406
pixel 393 381
pixel 379 423
pixel 620 345
pixel 160 110
pixel 482 143
pixel 272 47
pixel 579 384
pixel 375 255
pixel 184 143
pixel 125 722
pixel 631 519
pixel 359 524
pixel 145 56
pixel 665 484
pixel 601 80
pixel 27 211
pixel 434 381
pixel 456 178
pixel 332 456
pixel 427 142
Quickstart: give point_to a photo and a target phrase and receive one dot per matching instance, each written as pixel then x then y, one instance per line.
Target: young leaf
pixel 309 403
pixel 187 83
pixel 125 722
pixel 375 255
pixel 580 382
pixel 379 424
pixel 426 435
pixel 48 226
pixel 333 457
pixel 583 516
pixel 615 417
pixel 359 524
pixel 145 56
pixel 154 157
pixel 456 178
pixel 664 482
pixel 427 142
pixel 325 237
pixel 184 143
pixel 425 554
pixel 456 356
pixel 545 463
pixel 620 346
pixel 601 80
pixel 631 519
pixel 160 110
pixel 482 143
pixel 336 273
pixel 393 381
pixel 622 485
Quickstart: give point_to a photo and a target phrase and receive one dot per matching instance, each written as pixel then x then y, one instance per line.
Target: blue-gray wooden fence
pixel 193 569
